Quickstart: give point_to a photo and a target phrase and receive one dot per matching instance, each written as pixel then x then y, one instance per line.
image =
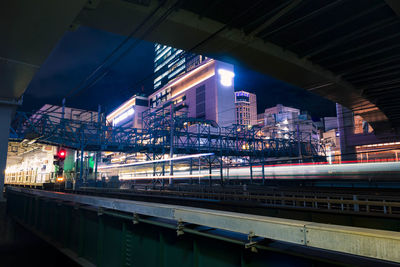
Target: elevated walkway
pixel 186 139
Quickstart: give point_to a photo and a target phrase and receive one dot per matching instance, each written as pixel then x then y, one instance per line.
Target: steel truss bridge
pixel 187 136
pixel 166 130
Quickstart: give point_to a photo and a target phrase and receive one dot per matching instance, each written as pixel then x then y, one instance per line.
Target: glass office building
pixel 170 63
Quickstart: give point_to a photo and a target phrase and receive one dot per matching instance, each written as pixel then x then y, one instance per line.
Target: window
pixel 141 102
pixel 201 101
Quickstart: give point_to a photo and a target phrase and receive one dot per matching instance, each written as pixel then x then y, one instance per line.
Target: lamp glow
pixel 226 77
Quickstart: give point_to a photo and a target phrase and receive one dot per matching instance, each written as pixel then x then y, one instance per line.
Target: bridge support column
pixel 6 113
pixel 221 171
pixel 346 128
pixel 191 170
pixel 209 171
pixel 263 171
pixel 251 170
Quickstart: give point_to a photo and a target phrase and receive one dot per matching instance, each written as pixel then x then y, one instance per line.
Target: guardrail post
pixel 81 232
pixel 356 207
pixel 100 239
pixel 195 254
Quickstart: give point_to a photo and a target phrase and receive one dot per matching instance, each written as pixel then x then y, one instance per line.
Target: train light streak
pixel 157 161
pixel 165 177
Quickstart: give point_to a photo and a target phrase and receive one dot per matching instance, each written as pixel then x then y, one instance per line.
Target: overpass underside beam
pixel 265 32
pixel 125 233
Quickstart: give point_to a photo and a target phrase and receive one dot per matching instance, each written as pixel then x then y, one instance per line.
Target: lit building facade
pixel 331 142
pixel 245 108
pixel 170 63
pixel 261 120
pixel 129 114
pixel 282 122
pixel 205 92
pixel 361 126
pixel 330 123
pixel 30 162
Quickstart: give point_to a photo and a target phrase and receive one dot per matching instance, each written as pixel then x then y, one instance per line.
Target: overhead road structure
pixel 346 51
pixel 362 242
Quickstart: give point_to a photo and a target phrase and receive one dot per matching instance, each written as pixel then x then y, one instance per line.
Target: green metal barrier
pixel 104 237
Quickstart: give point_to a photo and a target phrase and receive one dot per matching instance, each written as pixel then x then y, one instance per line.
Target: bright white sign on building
pixel 226 77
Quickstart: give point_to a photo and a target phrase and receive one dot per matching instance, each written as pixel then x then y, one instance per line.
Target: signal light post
pixel 59 162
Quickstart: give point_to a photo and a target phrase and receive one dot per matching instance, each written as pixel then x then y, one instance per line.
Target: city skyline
pixel 134 74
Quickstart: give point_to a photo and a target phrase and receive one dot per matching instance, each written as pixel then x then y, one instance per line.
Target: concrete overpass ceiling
pixel 29 31
pixel 358 41
pixel 345 50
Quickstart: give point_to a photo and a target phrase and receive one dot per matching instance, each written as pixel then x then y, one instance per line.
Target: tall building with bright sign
pixel 170 63
pixel 205 92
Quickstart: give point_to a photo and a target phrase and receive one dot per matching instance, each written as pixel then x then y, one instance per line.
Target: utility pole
pixel 63 109
pixel 81 159
pixel 98 153
pixel 299 141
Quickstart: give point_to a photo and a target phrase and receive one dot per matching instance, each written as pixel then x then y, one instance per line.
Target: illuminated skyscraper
pixel 246 108
pixel 170 63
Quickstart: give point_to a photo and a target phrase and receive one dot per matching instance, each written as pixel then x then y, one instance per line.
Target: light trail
pixel 156 161
pixel 168 176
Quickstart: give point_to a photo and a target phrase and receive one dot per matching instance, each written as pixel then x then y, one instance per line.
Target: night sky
pixel 80 52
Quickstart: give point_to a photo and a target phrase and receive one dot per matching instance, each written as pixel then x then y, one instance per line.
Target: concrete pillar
pixel 6 114
pixel 346 128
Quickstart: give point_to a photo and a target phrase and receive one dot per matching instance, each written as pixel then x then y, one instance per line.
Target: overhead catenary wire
pixel 202 42
pixel 91 79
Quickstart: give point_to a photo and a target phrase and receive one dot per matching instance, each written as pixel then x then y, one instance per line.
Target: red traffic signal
pixel 62 153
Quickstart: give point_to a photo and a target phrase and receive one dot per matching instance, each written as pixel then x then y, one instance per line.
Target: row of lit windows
pixel 245 109
pixel 171 72
pixel 168 60
pixel 244 122
pixel 158 48
pixel 242 115
pixel 163 58
pixel 176 72
pixel 162 54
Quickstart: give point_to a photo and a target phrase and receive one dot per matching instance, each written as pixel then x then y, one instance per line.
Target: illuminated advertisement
pixel 242 97
pixel 226 77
